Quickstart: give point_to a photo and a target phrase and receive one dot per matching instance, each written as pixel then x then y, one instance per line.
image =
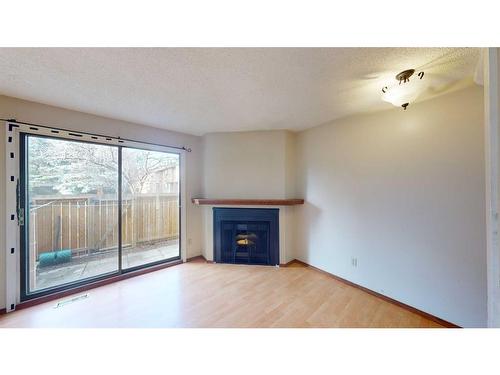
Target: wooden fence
pixel 85 224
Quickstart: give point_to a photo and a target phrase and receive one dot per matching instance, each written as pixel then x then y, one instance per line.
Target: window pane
pixel 72 200
pixel 150 211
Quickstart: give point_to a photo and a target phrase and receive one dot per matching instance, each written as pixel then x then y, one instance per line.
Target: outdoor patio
pixel 87 266
pixel 85 229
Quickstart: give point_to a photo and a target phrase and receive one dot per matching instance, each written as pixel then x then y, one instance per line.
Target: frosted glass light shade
pixel 404 93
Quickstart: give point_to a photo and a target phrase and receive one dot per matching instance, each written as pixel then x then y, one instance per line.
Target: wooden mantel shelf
pixel 247 202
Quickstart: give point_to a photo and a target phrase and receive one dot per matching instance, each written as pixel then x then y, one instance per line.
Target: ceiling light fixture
pixel 405 91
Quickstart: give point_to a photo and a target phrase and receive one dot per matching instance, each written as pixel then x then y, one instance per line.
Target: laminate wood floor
pixel 197 294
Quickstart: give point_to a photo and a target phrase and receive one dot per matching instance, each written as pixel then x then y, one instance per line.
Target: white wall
pixel 491 81
pixel 246 164
pixel 403 192
pixel 494 259
pixel 52 116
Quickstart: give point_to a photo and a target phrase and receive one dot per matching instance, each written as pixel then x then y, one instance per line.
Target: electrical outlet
pixel 354 262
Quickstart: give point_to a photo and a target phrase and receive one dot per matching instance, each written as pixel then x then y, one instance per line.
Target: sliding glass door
pixel 71 197
pixel 150 207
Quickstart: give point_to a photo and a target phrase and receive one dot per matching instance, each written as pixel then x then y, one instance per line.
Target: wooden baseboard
pixel 199 258
pixel 195 258
pixel 376 294
pixel 288 263
pixel 83 288
pixel 3 311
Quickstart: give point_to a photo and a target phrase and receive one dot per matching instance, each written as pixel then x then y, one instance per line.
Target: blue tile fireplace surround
pixel 246 235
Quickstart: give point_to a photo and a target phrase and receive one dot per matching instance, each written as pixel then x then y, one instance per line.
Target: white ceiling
pixel 202 90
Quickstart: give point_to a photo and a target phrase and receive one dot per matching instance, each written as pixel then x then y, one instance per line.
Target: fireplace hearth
pixel 246 235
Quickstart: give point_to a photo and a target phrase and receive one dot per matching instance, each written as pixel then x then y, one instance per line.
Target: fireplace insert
pixel 246 236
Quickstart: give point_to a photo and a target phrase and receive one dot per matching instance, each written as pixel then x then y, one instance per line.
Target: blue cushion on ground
pixel 54 257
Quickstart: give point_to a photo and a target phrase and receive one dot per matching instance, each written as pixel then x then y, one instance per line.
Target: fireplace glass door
pixel 245 243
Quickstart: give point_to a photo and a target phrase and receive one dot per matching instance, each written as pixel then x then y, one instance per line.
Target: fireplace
pixel 246 235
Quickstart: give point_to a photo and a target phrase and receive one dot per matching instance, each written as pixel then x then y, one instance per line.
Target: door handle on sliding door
pixel 19 210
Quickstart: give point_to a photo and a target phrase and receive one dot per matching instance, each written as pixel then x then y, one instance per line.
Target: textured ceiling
pixel 202 90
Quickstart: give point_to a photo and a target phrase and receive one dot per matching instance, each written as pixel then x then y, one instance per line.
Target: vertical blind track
pixel 79 133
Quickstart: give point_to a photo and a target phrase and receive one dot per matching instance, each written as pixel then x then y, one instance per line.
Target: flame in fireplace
pixel 246 239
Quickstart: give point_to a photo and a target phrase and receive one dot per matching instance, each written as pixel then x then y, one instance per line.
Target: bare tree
pixel 78 167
